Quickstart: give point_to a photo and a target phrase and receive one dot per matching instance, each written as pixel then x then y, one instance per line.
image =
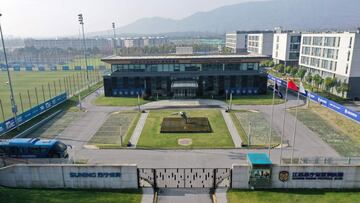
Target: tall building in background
pixel 237 41
pixel 335 55
pixel 286 48
pixel 65 43
pixel 260 42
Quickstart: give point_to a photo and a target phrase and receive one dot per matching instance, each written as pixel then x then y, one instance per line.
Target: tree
pixel 318 81
pixel 338 86
pixel 344 88
pixel 329 83
pixel 279 68
pixel 301 73
pixel 288 69
pixel 309 78
pixel 293 71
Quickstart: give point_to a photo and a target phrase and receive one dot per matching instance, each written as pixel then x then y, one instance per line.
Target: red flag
pixel 291 85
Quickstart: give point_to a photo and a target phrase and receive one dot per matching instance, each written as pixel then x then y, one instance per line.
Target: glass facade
pixel 184 67
pixel 212 78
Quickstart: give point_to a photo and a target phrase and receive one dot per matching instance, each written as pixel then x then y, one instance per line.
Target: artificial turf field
pixel 51 81
pixel 10 195
pixel 293 196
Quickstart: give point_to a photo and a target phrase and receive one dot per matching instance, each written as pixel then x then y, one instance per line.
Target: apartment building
pixel 65 43
pixel 237 41
pixel 286 48
pixel 260 42
pixel 333 54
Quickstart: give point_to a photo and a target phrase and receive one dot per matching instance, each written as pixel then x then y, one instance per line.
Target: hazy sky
pixel 51 18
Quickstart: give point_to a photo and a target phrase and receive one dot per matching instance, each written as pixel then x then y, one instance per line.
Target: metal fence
pixel 72 84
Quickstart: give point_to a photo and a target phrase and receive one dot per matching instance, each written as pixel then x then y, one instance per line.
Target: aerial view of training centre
pixel 233 101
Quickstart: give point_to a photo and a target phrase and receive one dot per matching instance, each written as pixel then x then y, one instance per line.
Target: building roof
pixel 258 159
pixel 218 56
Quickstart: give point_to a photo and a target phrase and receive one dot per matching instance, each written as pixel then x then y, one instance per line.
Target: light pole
pixel 13 104
pixel 115 47
pixel 81 20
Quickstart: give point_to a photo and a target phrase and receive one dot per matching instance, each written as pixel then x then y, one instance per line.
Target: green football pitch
pixel 31 88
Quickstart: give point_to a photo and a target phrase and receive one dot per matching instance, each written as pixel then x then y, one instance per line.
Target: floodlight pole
pixel 81 21
pixel 115 48
pixel 12 98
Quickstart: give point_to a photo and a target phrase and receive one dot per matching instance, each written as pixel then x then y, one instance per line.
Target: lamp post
pixel 81 21
pixel 115 47
pixel 13 104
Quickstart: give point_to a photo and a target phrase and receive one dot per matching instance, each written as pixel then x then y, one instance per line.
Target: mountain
pixel 290 14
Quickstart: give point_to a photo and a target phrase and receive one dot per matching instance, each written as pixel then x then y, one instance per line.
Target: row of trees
pixel 328 84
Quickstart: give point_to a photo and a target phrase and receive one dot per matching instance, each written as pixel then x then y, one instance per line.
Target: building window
pixel 348 56
pixel 295 39
pixel 294 56
pixel 350 44
pixel 317 41
pixel 307 40
pixel 347 69
pixel 330 41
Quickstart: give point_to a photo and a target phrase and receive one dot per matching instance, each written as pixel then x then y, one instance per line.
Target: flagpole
pixel 272 117
pixel 283 125
pixel 295 123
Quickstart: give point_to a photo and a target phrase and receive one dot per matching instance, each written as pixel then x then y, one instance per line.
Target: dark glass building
pixel 185 76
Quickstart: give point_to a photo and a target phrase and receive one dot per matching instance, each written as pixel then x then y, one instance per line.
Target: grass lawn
pixel 118 101
pixel 152 138
pixel 293 196
pixel 25 81
pixel 10 195
pixel 110 133
pixel 339 132
pixel 259 128
pixel 256 100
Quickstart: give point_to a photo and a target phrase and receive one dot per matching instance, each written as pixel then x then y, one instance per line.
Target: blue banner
pixel 16 67
pixel 41 68
pixel 278 80
pixel 32 113
pixel 242 91
pixel 65 68
pixel 77 67
pixel 90 67
pixel 127 92
pixel 29 67
pixel 335 107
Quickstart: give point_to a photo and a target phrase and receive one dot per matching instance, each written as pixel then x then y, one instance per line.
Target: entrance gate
pixel 185 178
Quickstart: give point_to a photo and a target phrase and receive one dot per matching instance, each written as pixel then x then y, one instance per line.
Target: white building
pixel 260 42
pixel 333 55
pixel 237 41
pixel 286 48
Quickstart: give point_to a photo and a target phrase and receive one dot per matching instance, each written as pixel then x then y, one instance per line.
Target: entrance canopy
pixel 258 159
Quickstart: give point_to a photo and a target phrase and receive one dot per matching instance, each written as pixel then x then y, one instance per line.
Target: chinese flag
pixel 291 85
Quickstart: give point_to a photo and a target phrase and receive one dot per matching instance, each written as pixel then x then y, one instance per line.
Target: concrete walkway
pixel 187 195
pixel 138 129
pixel 221 195
pixel 232 129
pixel 148 195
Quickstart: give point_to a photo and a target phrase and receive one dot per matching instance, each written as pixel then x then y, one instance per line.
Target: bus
pixel 33 148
